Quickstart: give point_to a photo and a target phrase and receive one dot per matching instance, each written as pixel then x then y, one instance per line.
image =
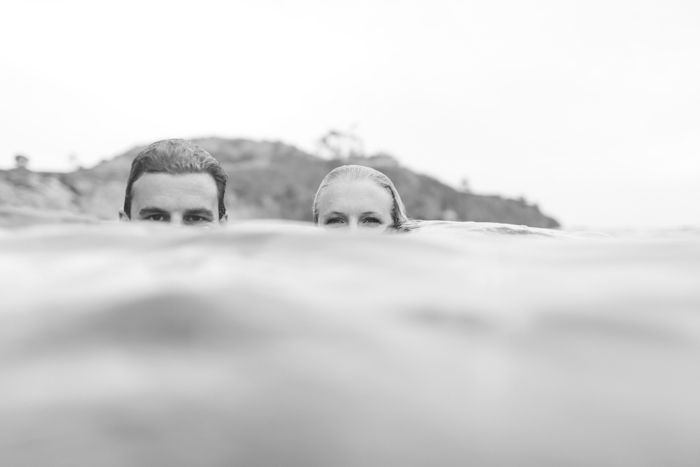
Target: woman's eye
pixel 334 220
pixel 371 220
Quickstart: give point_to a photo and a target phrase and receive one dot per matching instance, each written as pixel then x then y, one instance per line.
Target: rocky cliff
pixel 266 180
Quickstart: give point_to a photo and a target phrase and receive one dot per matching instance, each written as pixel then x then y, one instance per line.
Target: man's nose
pixel 176 220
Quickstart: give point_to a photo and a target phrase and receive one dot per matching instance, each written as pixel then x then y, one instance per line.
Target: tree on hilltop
pixel 21 161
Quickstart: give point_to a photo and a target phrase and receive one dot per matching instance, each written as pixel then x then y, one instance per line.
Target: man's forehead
pixel 181 191
pixel 165 181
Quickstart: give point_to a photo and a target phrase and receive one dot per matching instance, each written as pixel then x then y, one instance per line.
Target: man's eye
pixel 334 220
pixel 156 217
pixel 196 219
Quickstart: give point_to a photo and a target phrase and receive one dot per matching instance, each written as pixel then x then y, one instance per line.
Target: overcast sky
pixel 590 109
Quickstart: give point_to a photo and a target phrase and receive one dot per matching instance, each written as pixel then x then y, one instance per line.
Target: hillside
pixel 266 180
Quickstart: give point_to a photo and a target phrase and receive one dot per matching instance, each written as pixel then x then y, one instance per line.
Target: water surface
pixel 280 344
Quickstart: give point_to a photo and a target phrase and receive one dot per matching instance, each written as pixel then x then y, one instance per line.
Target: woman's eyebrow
pixel 335 213
pixel 370 212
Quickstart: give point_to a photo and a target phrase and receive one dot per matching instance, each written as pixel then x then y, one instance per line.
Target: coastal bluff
pixel 267 179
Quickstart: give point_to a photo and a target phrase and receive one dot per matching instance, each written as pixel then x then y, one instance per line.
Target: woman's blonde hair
pixel 354 173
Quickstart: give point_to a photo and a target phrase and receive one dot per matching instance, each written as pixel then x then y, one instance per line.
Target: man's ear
pixel 224 220
pixel 123 217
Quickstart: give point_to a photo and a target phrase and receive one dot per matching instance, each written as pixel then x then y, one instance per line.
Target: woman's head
pixel 358 198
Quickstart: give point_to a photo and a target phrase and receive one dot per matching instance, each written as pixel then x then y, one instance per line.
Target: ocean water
pixel 272 343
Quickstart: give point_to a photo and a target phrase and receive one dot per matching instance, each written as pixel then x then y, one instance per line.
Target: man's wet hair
pixel 176 156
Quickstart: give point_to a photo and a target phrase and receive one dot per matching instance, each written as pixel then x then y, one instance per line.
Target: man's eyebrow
pixel 152 210
pixel 199 212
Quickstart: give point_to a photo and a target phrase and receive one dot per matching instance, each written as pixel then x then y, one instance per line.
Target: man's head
pixel 178 182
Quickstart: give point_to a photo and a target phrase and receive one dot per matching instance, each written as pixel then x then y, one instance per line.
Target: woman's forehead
pixel 361 195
